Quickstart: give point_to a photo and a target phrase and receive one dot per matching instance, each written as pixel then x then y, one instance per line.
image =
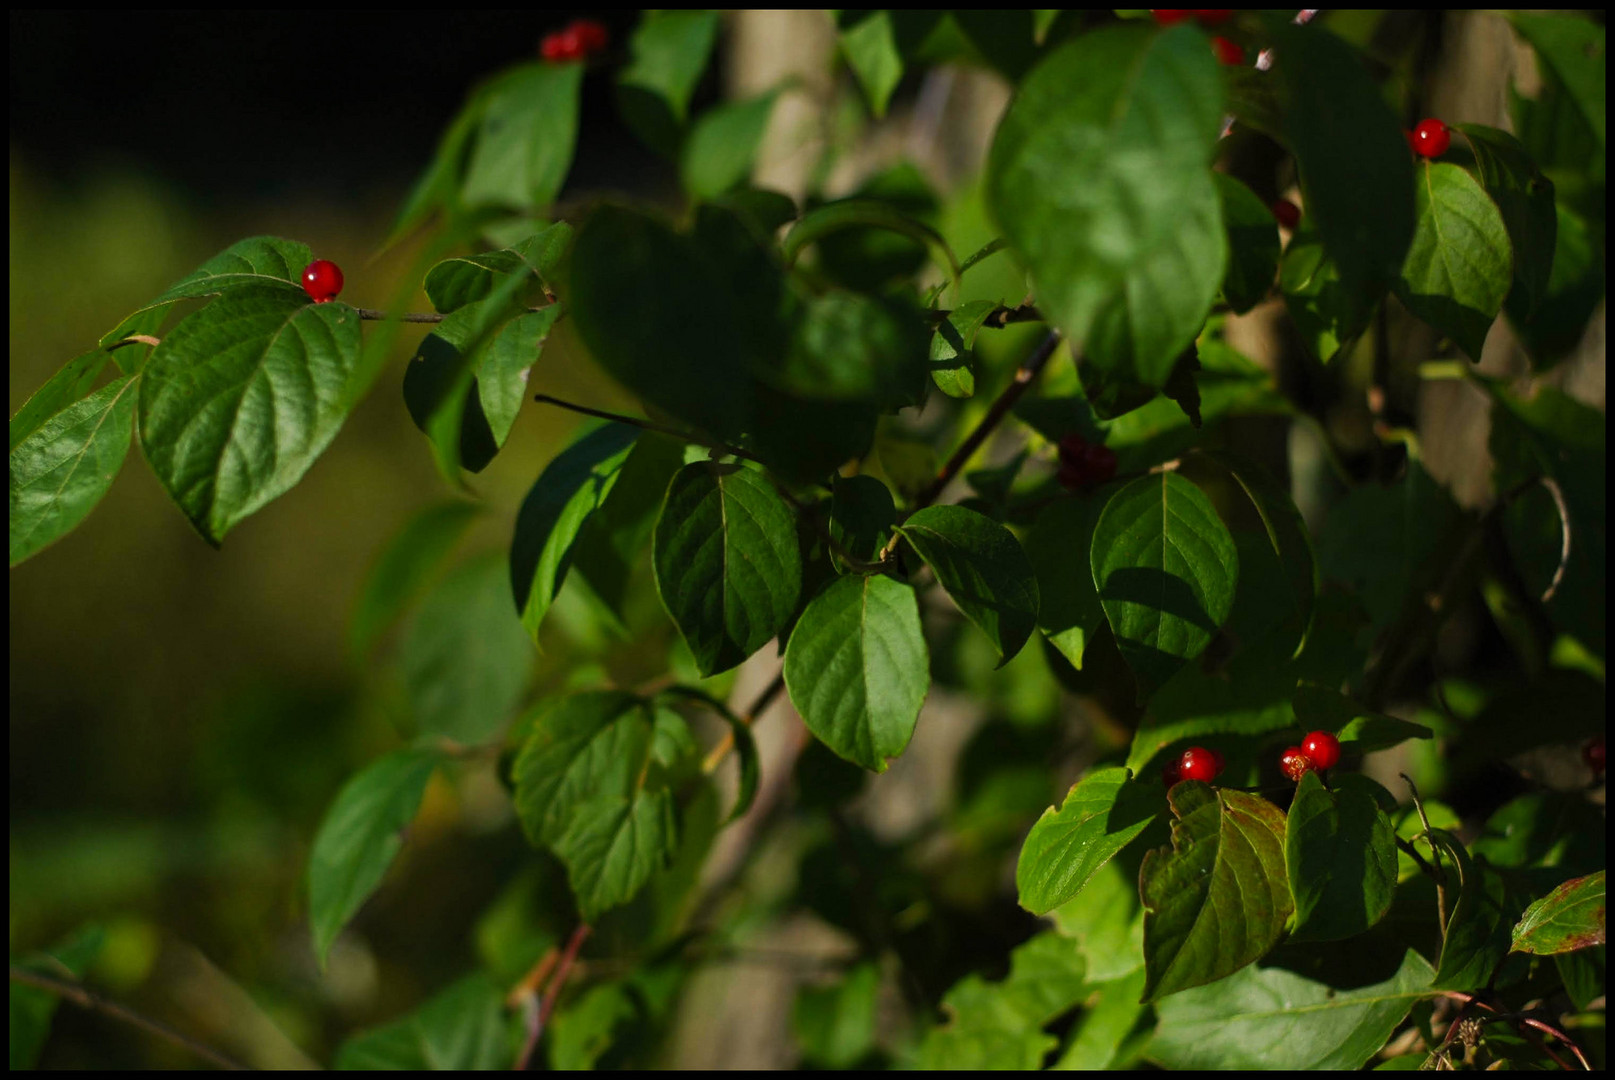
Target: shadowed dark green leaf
pixel 1069 613
pixel 1253 244
pixel 1100 1039
pixel 983 569
pixel 1288 539
pixel 1101 815
pixel 359 838
pixel 1574 290
pixel 1340 849
pixel 1270 1018
pixel 1571 917
pixel 31 1007
pixel 404 567
pixel 728 565
pixel 836 1024
pixel 464 658
pixel 241 398
pixel 861 518
pixel 61 470
pixel 569 490
pixel 849 347
pixel 1360 730
pixel 1573 49
pixel 1478 930
pixel 1218 898
pixel 1165 567
pixel 607 550
pixel 669 52
pixel 464 279
pixel 1460 264
pixel 857 668
pixel 1099 177
pixel 1525 198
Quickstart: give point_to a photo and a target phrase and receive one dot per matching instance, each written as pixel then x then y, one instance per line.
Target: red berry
pixel 1099 464
pixel 1430 138
pixel 1228 52
pixel 1198 763
pixel 1288 214
pixel 562 47
pixel 1072 448
pixel 1212 17
pixel 1071 477
pixel 1295 763
pixel 1164 17
pixel 1594 754
pixel 592 36
pixel 322 280
pixel 1171 773
pixel 1322 748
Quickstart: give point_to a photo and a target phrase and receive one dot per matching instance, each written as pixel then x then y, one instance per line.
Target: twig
pixel 85 998
pixel 135 339
pixel 1566 1040
pixel 1029 369
pixel 1000 317
pixel 1413 853
pixel 1564 534
pixel 411 316
pixel 749 717
pixel 647 425
pixel 568 958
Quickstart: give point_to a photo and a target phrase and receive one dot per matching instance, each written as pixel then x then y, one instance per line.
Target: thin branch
pixel 726 744
pixel 647 425
pixel 85 998
pixel 1568 1042
pixel 552 994
pixel 135 339
pixel 1000 317
pixel 373 315
pixel 1413 853
pixel 1029 369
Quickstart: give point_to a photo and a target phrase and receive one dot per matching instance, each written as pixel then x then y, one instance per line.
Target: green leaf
pixel 871 49
pixel 439 185
pixel 359 838
pixel 441 376
pixel 61 470
pixel 1287 537
pixel 557 507
pixel 861 518
pixel 33 1008
pixel 464 658
pixel 607 550
pixel 1575 289
pixel 1478 931
pixel 1166 567
pixel 1319 708
pixel 589 788
pixel 849 347
pixel 862 214
pixel 999 1025
pixel 1328 313
pixel 1355 168
pixel 1098 1041
pixel 722 147
pixel 586 1029
pixel 403 569
pixel 1253 245
pixel 1269 1018
pixel 857 668
pixel 1569 918
pixel 464 279
pixel 728 566
pixel 953 361
pixel 461 1028
pixel 1460 264
pixel 1340 849
pixel 836 1024
pixel 983 569
pixel 503 365
pixel 1218 898
pixel 670 51
pixel 1101 815
pixel 1099 177
pixel 264 264
pixel 1525 198
pixel 678 351
pixel 745 747
pixel 241 397
pixel 1573 49
pixel 525 141
pixel 72 383
pixel 1107 921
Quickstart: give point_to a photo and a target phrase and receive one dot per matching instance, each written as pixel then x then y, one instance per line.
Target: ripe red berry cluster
pixel 322 280
pixel 578 41
pixel 1084 464
pixel 1204 18
pixel 1430 138
pixel 1195 763
pixel 1318 751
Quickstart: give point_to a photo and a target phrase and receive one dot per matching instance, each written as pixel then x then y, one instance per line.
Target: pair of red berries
pixel 1430 138
pixel 1318 751
pixel 1195 763
pixel 578 41
pixel 1084 464
pixel 322 280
